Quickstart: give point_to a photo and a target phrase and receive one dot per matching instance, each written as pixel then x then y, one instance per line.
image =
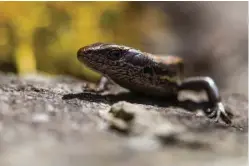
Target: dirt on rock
pixel 52 121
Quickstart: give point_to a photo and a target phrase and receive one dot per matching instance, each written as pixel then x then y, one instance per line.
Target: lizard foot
pixel 219 112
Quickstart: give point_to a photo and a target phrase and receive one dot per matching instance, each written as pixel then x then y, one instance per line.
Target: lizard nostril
pixel 83 54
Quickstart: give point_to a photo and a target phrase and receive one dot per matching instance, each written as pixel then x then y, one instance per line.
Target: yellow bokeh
pixel 45 36
pixel 25 55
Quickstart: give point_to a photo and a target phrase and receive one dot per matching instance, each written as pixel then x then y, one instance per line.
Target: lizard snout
pixel 89 50
pixel 80 54
pixel 84 53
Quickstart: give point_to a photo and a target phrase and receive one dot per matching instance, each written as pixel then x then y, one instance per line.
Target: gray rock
pixel 51 121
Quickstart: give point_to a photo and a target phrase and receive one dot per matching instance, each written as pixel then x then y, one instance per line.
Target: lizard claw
pixel 219 112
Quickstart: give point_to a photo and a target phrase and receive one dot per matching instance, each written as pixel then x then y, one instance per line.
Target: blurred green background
pixel 44 37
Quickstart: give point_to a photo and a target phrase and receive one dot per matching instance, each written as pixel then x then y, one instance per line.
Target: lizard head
pixel 108 58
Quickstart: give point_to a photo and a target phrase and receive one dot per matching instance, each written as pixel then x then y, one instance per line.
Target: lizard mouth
pixel 80 54
pixel 86 58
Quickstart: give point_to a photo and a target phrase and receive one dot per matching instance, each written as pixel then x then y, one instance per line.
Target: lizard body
pixel 149 74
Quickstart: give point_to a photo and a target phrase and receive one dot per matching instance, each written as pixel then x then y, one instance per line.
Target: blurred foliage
pixel 45 36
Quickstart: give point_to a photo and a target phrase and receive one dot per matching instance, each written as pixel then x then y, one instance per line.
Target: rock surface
pixel 52 121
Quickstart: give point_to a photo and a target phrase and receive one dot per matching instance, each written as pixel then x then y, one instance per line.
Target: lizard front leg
pixel 216 109
pixel 101 86
pixel 104 86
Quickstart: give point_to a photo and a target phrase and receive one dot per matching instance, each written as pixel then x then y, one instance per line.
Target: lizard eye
pixel 114 54
pixel 148 70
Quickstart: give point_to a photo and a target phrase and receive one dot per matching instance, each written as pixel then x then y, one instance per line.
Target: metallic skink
pixel 149 74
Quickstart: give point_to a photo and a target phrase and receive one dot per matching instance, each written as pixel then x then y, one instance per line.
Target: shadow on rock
pixel 138 99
